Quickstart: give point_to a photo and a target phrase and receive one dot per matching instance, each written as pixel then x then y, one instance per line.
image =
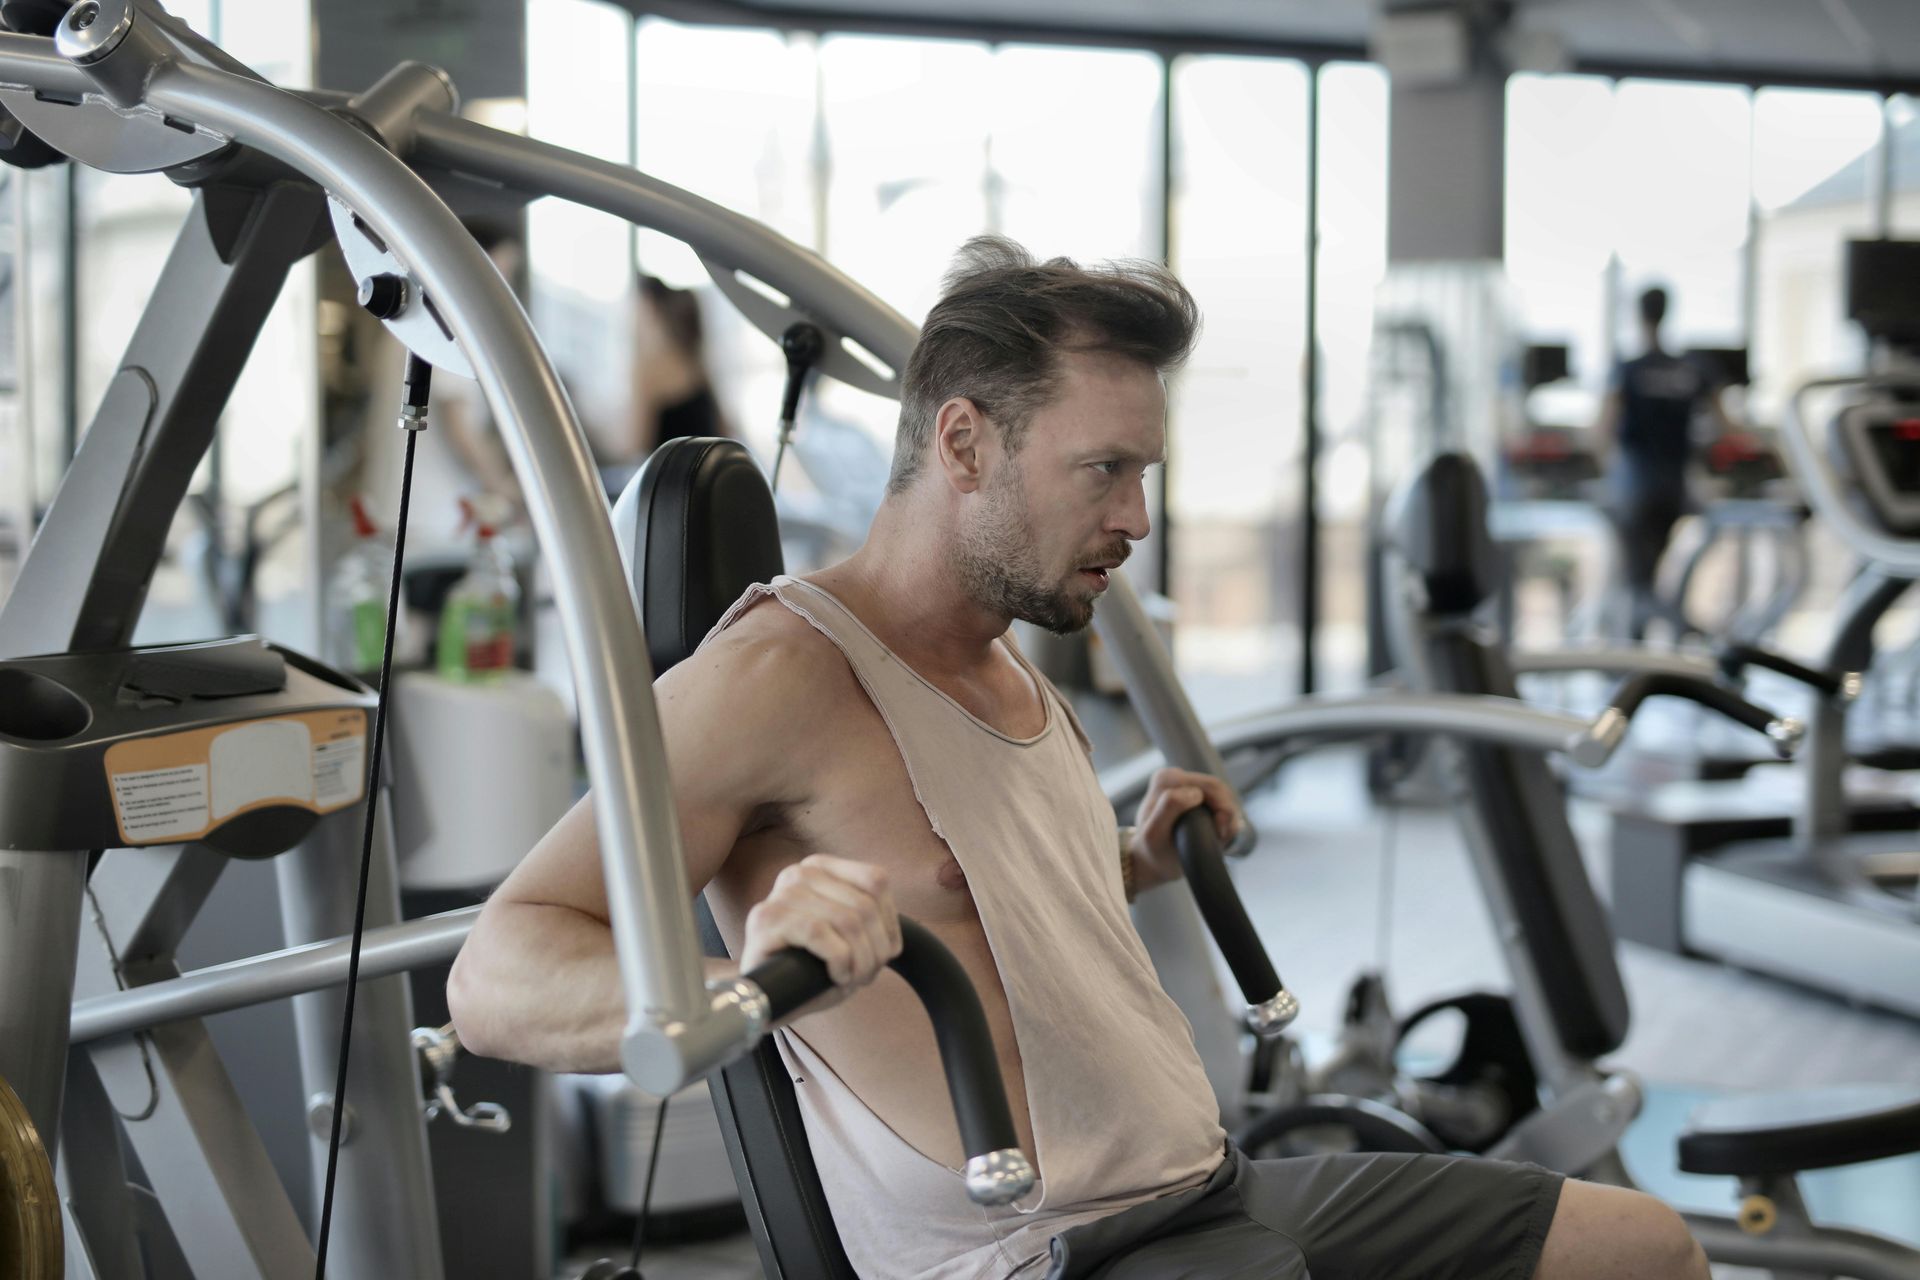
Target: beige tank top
pixel 1121 1108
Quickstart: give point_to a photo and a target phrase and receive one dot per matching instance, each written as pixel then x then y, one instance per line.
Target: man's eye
pixel 1107 468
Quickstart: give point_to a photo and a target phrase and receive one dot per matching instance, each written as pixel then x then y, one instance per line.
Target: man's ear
pixel 959 433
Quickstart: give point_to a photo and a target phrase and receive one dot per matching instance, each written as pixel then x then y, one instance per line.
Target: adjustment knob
pixel 384 295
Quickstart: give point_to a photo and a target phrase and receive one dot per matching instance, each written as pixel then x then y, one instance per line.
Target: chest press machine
pixel 103 1044
pixel 131 774
pixel 122 86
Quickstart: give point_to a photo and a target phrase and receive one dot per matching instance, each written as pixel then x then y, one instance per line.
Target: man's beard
pixel 1000 572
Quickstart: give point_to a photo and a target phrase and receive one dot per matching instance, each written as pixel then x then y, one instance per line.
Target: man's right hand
pixel 841 911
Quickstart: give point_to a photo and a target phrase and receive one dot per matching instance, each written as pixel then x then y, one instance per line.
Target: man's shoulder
pixel 769 662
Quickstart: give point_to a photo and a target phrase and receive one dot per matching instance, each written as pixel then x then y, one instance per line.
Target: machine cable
pixel 646 1188
pixel 413 420
pixel 803 344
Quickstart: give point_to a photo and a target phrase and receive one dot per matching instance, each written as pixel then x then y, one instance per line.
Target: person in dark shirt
pixel 672 394
pixel 1646 432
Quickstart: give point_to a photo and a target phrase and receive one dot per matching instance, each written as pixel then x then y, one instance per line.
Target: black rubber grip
pixel 793 977
pixel 1734 659
pixel 1197 841
pixel 790 979
pixel 1637 689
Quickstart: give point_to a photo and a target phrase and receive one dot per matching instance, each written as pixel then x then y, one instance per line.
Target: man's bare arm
pixel 537 981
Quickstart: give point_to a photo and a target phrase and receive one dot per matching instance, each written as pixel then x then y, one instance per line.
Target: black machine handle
pixel 1784 731
pixel 997 1172
pixel 1734 659
pixel 1270 1006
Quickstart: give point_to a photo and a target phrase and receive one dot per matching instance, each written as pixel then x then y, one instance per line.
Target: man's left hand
pixel 1169 795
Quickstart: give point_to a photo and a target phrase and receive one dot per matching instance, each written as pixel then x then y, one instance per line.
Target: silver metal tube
pixel 1330 719
pixel 384 1216
pixel 648 896
pixel 29 62
pixel 1152 685
pixel 1826 1253
pixel 714 231
pixel 272 976
pixel 1609 661
pixel 394 101
pixel 40 902
pixel 1502 722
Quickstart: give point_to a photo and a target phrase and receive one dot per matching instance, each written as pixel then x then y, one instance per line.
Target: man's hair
pixel 1653 306
pixel 1003 318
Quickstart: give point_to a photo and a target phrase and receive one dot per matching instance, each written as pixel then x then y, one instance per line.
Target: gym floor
pixel 1698 1028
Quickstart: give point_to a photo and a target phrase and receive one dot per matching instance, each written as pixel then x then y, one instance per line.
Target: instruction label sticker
pixel 339 771
pixel 162 804
pixel 178 787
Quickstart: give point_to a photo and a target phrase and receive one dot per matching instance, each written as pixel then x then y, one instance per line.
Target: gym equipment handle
pixel 1270 1006
pixel 997 1172
pixel 1785 732
pixel 1733 659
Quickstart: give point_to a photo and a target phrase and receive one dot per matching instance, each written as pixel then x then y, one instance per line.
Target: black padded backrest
pixel 1437 521
pixel 1523 809
pixel 696 527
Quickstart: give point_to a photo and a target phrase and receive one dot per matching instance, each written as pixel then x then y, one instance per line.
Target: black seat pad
pixel 1438 523
pixel 697 528
pixel 1778 1133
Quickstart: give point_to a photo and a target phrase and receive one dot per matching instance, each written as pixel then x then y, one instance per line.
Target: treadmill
pixel 1831 903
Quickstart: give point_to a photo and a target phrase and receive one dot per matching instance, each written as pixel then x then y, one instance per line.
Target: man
pixel 1646 423
pixel 869 736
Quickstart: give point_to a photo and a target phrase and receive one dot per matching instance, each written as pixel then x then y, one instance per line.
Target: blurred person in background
pixel 672 390
pixel 1645 436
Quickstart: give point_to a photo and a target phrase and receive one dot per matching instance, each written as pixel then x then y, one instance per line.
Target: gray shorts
pixel 1337 1217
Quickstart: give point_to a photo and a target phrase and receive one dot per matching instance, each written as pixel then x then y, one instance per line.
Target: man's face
pixel 1050 522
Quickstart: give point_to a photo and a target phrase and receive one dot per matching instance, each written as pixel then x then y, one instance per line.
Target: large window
pixel 1239 242
pixel 1074 151
pixel 885 153
pixel 1679 184
pixel 1738 202
pixel 125 227
pixel 580 261
pixel 1352 126
pixel 1559 222
pixel 1813 176
pixel 1903 134
pixel 861 148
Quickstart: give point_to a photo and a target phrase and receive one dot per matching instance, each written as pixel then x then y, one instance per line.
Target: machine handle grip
pixel 1270 1006
pixel 997 1172
pixel 1734 659
pixel 1785 732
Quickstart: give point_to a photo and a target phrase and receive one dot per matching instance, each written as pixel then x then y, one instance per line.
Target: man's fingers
pixel 774 926
pixel 867 895
pixel 824 906
pixel 1191 789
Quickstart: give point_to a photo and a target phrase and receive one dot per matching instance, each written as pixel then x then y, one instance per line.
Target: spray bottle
pixel 357 596
pixel 478 621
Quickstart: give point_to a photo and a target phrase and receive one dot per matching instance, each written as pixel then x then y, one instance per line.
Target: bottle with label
pixel 357 596
pixel 477 624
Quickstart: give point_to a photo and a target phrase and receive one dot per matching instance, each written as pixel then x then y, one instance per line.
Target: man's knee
pixel 1609 1233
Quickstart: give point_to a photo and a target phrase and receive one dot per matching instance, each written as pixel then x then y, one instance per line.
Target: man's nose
pixel 1129 516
